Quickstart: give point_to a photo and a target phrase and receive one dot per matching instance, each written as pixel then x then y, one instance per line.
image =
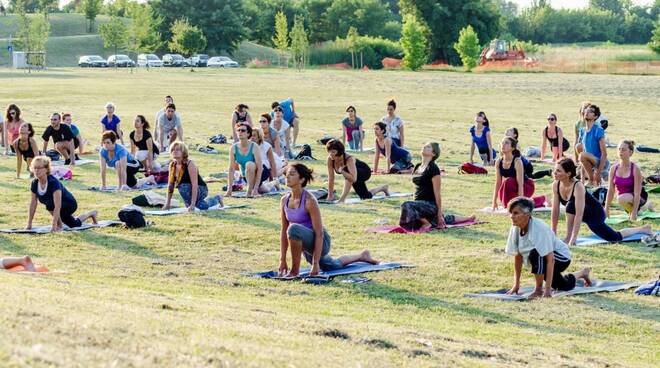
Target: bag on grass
pixel 53 155
pixel 305 153
pixel 325 140
pixel 161 177
pixel 468 168
pixel 132 216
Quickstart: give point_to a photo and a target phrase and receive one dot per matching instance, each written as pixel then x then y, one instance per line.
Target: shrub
pixel 372 50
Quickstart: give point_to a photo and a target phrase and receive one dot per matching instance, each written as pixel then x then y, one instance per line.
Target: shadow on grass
pixel 116 243
pixel 8 246
pixel 241 219
pixel 628 309
pixel 403 297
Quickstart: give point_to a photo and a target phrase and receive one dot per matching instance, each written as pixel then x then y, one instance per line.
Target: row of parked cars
pixel 153 61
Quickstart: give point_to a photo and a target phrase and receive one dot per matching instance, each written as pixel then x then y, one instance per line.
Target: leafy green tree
pixel 91 8
pixel 299 42
pixel 617 7
pixel 468 47
pixel 352 37
pixel 414 43
pixel 26 6
pixel 114 34
pixel 47 6
pixel 186 39
pixel 32 35
pixel 222 21
pixel 367 16
pixel 143 35
pixel 654 44
pixel 281 38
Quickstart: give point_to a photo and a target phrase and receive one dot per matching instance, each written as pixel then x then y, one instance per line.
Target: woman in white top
pixel 283 130
pixel 273 165
pixel 394 124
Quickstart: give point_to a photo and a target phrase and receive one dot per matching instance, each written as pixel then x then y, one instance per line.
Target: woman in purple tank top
pixel 303 232
pixel 627 179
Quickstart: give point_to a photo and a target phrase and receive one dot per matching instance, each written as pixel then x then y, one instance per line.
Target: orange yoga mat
pixel 22 269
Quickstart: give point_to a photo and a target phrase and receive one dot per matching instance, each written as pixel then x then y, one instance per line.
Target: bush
pixel 528 46
pixel 414 44
pixel 373 50
pixel 468 47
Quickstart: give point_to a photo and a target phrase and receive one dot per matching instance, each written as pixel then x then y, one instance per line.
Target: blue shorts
pixel 306 236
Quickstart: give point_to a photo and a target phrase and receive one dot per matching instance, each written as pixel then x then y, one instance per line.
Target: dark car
pixel 199 60
pixel 174 60
pixel 121 61
pixel 92 61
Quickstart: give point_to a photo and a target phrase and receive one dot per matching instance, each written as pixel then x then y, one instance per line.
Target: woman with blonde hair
pixel 626 178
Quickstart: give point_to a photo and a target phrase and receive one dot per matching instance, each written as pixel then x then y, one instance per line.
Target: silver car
pixel 221 62
pixel 149 60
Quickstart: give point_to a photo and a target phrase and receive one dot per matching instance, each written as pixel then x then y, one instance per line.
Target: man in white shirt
pixel 169 127
pixel 168 101
pixel 531 241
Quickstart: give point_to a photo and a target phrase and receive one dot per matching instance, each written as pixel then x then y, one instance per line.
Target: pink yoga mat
pixel 395 229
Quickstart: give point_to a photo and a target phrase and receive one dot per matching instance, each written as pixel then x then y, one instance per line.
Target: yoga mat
pixel 112 188
pixel 364 150
pixel 620 219
pixel 654 189
pixel 598 286
pixel 374 198
pixel 358 267
pixel 584 241
pixel 244 194
pixel 46 229
pixel 393 229
pixel 179 210
pixel 504 211
pixel 38 269
pixel 78 162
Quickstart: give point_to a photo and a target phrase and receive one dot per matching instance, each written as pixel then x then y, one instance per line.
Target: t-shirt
pixel 120 152
pixel 161 112
pixel 540 237
pixel 591 139
pixel 287 109
pixel 142 145
pixel 264 147
pixel 281 133
pixel 47 197
pixel 112 124
pixel 581 124
pixel 424 182
pixel 166 124
pixel 63 133
pixel 351 127
pixel 392 126
pixel 75 130
pixel 482 140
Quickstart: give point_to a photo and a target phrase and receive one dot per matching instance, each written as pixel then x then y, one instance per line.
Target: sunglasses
pixel 12 113
pixel 551 119
pixel 241 130
pixel 278 110
pixel 263 121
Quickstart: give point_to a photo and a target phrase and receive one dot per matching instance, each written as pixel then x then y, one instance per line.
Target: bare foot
pixel 386 190
pixel 366 257
pixel 585 276
pixel 426 226
pixel 472 218
pixel 27 263
pixel 221 201
pixel 292 275
pixel 536 294
pixel 646 229
pixel 93 215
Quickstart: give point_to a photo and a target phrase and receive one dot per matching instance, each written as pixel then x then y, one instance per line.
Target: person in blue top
pixel 290 115
pixel 481 140
pixel 117 156
pixel 111 122
pixel 591 148
pixel 58 200
pixel 247 155
pixel 398 160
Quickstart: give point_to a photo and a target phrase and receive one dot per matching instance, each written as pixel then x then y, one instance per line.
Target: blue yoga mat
pixel 359 267
pixel 584 241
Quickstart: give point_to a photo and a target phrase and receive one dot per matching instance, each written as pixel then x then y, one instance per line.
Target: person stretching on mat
pixel 425 211
pixel 290 116
pixel 111 122
pixel 511 180
pixel 11 126
pixel 394 124
pixel 114 155
pixel 303 232
pixel 62 138
pixel 184 176
pixel 481 140
pixel 555 135
pixel 355 173
pixel 352 130
pixel 78 140
pixel 398 160
pixel 11 262
pixel 272 165
pixel 532 242
pixel 246 154
pixel 58 200
pixel 527 165
pixel 627 179
pixel 581 206
pixel 283 130
pixel 592 151
pixel 270 134
pixel 240 115
pixel 25 147
pixel 143 146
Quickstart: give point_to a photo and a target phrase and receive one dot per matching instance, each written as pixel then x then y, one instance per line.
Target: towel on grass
pixel 597 286
pixel 46 229
pixel 584 241
pixel 504 211
pixel 393 229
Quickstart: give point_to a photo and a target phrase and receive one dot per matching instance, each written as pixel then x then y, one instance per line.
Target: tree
pixel 655 40
pixel 186 39
pixel 445 18
pixel 414 43
pixel 281 38
pixel 91 8
pixel 46 6
pixel 142 32
pixel 114 34
pixel 352 37
pixel 615 6
pixel 468 47
pixel 367 16
pixel 27 6
pixel 32 35
pixel 222 21
pixel 299 42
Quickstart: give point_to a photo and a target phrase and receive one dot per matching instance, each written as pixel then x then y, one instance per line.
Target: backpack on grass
pixel 468 168
pixel 132 216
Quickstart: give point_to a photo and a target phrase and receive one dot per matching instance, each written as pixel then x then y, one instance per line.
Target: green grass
pixel 173 295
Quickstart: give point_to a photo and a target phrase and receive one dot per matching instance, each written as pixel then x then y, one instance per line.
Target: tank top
pixel 511 171
pixel 244 159
pixel 591 205
pixel 553 141
pixel 14 132
pixel 26 153
pixel 298 215
pixel 185 178
pixel 396 153
pixel 624 185
pixel 239 118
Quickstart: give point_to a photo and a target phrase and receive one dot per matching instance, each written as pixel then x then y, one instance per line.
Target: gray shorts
pixel 306 236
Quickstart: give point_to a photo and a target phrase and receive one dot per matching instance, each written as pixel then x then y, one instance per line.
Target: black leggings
pixel 559 282
pixel 360 183
pixel 66 214
pixel 131 180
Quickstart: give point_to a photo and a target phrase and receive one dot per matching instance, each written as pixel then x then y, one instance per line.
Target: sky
pixel 572 3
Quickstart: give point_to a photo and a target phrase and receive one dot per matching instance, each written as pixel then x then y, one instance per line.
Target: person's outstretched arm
pixel 57 201
pixel 312 207
pixel 437 184
pixel 331 178
pixel 31 211
pixel 610 190
pixel 260 168
pixel 388 154
pixel 560 148
pixel 376 155
pixel 555 206
pixel 498 183
pixel 401 135
pixel 544 143
pixel 603 159
pixel 194 185
pixel 284 240
pixel 103 172
pixel 349 178
pixel 520 176
pixel 121 167
pixel 549 274
pixel 580 194
pixel 490 148
pixel 637 193
pixel 517 271
pixel 472 152
pixel 19 160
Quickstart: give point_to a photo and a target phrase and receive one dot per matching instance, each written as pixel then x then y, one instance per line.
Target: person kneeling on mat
pixel 532 242
pixel 115 155
pixel 58 200
pixel 302 229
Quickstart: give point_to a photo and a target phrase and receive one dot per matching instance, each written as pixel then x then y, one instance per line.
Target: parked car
pixel 199 60
pixel 149 60
pixel 92 61
pixel 174 60
pixel 221 62
pixel 121 61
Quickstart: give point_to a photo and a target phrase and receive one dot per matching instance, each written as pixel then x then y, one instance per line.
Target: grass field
pixel 173 295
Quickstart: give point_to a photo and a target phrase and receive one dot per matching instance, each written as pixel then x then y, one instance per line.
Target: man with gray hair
pixel 532 242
